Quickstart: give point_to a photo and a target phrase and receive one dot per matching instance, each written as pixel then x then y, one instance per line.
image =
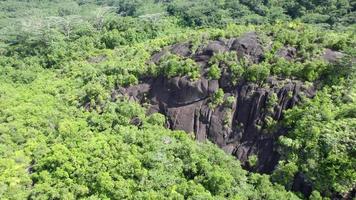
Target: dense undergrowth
pixel 62 136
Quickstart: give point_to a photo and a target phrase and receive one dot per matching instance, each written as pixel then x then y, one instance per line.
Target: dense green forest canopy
pixel 63 137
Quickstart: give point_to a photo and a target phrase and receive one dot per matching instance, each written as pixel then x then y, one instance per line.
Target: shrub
pixel 217 98
pixel 156 119
pixel 173 65
pixel 257 72
pixel 214 72
pixel 252 160
pixel 237 71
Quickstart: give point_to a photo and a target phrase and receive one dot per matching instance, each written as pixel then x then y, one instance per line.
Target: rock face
pixel 288 53
pixel 256 110
pixel 248 46
pixel 240 128
pixel 332 56
pixel 243 125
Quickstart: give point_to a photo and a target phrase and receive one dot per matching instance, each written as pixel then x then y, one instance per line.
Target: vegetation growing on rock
pixel 67 130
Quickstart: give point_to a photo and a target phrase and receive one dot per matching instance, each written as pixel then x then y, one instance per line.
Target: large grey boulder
pixel 248 46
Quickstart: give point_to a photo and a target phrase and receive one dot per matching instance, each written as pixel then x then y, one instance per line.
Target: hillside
pixel 177 99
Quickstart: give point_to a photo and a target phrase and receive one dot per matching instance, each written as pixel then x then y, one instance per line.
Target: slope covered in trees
pixel 66 132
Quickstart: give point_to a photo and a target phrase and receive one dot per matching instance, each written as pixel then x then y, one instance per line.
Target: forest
pixel 178 99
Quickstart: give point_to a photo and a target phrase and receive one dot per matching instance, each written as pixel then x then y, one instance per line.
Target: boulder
pixel 287 52
pixel 181 49
pixel 248 46
pixel 156 58
pixel 332 56
pixel 180 91
pixel 214 47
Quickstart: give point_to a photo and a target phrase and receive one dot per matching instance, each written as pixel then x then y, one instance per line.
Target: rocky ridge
pixel 245 124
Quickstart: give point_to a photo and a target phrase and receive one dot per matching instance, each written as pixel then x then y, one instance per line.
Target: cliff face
pixel 241 127
pixel 244 125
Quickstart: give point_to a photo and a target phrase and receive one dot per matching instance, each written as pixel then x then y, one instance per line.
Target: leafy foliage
pixel 217 98
pixel 214 72
pixel 173 65
pixel 325 153
pixel 64 137
pixel 257 73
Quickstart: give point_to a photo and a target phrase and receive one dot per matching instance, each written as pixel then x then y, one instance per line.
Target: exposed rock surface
pixel 332 56
pixel 248 46
pixel 245 124
pixel 242 127
pixel 238 128
pixel 288 52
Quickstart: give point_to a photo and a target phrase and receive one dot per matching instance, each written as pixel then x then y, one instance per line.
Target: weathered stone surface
pixel 157 56
pixel 215 47
pixel 288 52
pixel 183 50
pixel 239 129
pixel 134 93
pixel 331 56
pixel 181 91
pixel 250 118
pixel 248 46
